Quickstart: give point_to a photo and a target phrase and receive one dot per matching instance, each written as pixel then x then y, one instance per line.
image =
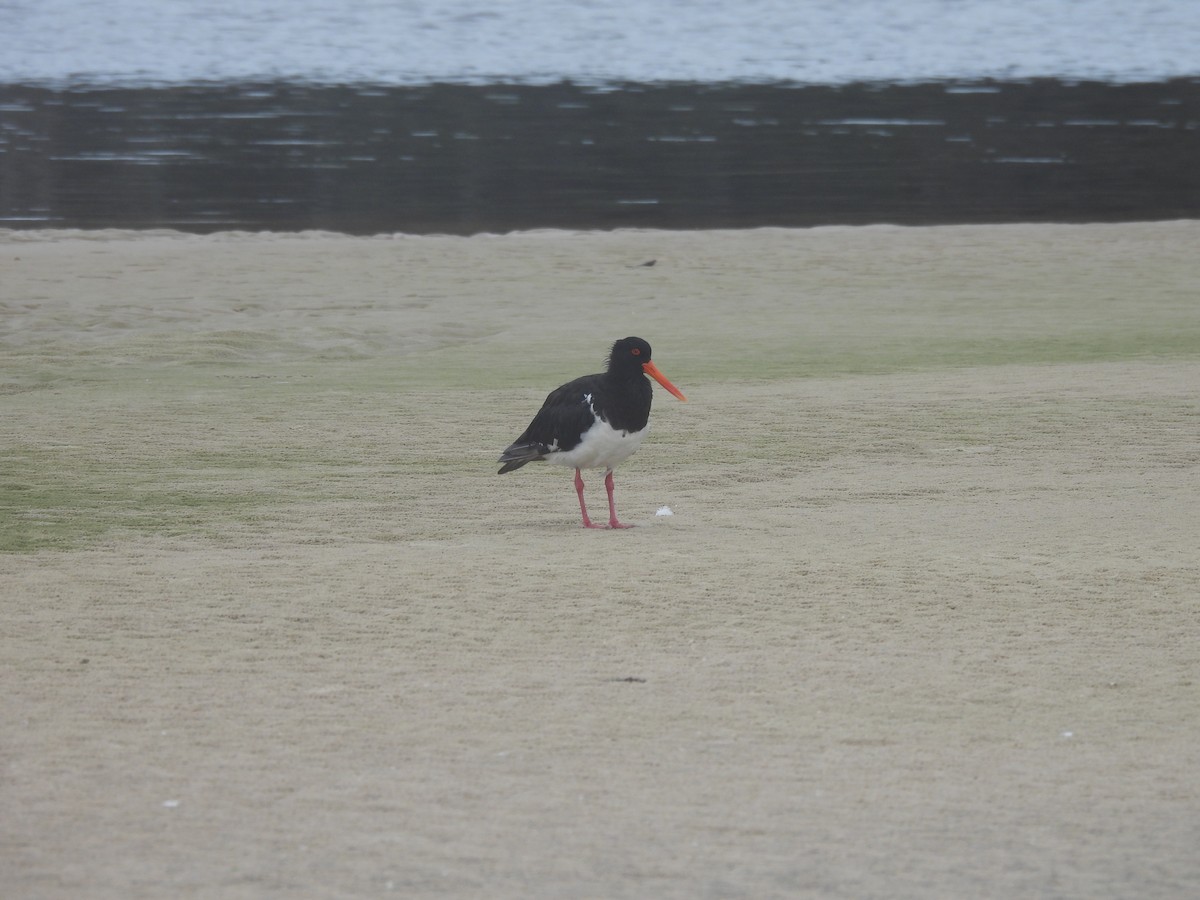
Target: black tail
pixel 516 455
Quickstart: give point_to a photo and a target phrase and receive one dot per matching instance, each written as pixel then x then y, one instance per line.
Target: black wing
pixel 559 425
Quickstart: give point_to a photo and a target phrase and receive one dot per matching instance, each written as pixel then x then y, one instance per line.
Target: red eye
pixel 636 351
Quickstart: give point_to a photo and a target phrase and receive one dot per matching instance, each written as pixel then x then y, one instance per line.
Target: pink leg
pixel 587 523
pixel 612 507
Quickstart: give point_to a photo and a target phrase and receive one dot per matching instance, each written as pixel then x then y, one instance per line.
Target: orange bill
pixel 652 370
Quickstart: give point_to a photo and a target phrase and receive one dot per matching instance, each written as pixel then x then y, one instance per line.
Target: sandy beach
pixel 925 621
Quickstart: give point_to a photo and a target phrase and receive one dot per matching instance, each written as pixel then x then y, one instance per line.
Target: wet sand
pixel 923 624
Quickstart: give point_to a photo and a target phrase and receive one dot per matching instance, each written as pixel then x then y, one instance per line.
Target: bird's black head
pixel 630 358
pixel 629 355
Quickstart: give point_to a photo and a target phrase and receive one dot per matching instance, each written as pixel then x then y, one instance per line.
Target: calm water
pixel 406 42
pixel 469 158
pixel 470 115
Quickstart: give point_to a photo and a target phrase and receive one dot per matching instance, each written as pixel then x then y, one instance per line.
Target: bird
pixel 596 421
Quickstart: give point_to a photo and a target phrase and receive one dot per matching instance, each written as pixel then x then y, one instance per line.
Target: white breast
pixel 602 447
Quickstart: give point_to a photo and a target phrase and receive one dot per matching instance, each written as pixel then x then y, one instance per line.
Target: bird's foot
pixel 615 524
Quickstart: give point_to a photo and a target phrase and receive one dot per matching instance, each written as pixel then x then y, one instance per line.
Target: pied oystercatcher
pixel 593 422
